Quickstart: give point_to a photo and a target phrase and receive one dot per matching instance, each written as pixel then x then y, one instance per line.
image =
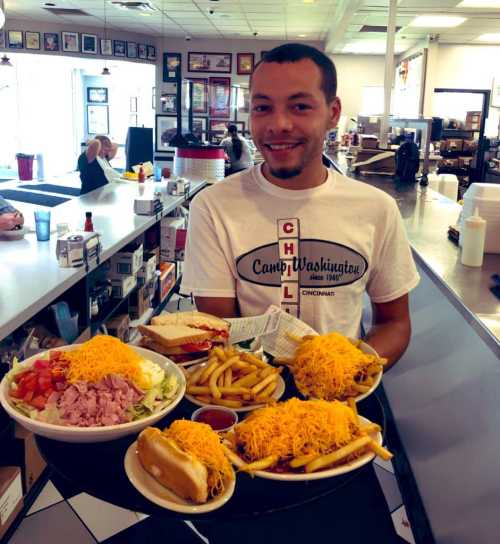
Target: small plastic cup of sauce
pixel 220 418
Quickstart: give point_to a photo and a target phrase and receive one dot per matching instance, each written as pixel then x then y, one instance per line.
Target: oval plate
pixel 277 394
pixel 161 495
pixel 320 474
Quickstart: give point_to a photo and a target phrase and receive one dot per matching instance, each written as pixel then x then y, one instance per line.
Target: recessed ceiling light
pixel 309 1
pixel 302 36
pixel 479 4
pixel 489 38
pixel 366 47
pixel 437 21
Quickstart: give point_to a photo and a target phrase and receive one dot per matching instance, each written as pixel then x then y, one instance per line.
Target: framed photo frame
pixel 15 39
pixel 32 40
pixel 200 126
pixel 89 44
pixel 97 95
pixel 210 62
pixel 142 51
pixel 245 63
pixel 242 102
pixel 220 96
pixel 132 50
pixel 70 42
pixel 218 126
pixel 200 95
pixel 165 130
pixel 119 48
pixel 151 52
pixel 106 47
pixel 172 67
pixel 168 103
pixel 51 41
pixel 133 104
pixel 495 93
pixel 97 119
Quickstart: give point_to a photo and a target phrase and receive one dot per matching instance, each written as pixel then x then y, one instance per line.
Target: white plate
pixel 94 434
pixel 162 496
pixel 191 363
pixel 320 474
pixel 277 394
pixel 365 348
pixel 13 234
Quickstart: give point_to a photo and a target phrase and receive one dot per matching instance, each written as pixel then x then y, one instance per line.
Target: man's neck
pixel 311 176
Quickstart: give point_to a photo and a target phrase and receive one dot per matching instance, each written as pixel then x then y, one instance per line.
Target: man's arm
pixel 391 329
pixel 219 306
pixel 93 148
pixel 113 152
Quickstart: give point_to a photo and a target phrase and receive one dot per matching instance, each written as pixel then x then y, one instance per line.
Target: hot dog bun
pixel 166 462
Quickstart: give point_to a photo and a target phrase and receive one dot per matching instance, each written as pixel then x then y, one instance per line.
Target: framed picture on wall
pixel 243 99
pixel 168 103
pixel 245 63
pixel 51 41
pixel 220 96
pixel 200 95
pixel 210 62
pixel 200 128
pixel 120 48
pixel 106 47
pixel 166 129
pixel 97 119
pixel 70 42
pixel 142 51
pixel 89 44
pixel 151 52
pixel 219 126
pixel 132 50
pixel 97 95
pixel 171 67
pixel 32 40
pixel 15 38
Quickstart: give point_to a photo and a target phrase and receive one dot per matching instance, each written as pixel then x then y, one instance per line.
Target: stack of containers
pixel 446 184
pixel 486 198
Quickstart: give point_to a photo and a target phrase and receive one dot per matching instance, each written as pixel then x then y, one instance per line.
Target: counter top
pixel 427 216
pixel 31 276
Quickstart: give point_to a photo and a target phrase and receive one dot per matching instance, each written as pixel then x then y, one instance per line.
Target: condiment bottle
pixel 89 226
pixel 473 236
pixel 141 176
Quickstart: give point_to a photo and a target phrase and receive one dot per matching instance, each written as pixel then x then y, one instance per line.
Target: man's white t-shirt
pixel 314 252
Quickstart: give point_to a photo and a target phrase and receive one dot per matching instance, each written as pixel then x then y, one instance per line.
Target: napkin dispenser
pixel 148 206
pixel 78 248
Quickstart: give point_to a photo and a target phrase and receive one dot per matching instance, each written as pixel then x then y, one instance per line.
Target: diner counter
pixel 30 275
pixel 443 393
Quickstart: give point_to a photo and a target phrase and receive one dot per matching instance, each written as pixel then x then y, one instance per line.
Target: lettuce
pixel 156 399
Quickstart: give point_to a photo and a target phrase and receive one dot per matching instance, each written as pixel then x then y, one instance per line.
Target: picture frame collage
pixel 75 42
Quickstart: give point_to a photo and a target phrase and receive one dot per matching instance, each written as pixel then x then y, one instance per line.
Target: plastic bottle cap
pixel 88 215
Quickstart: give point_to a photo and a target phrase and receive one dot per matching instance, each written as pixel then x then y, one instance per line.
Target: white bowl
pixel 94 434
pixel 11 235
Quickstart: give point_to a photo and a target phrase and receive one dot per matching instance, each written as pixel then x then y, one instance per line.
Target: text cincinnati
pixel 299 264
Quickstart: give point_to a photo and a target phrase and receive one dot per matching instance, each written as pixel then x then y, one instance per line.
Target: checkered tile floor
pixel 61 510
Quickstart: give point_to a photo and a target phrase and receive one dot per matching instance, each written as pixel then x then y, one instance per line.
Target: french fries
pixel 233 378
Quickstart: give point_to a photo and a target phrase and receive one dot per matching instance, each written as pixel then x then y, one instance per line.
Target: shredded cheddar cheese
pixel 199 440
pixel 326 366
pixel 101 356
pixel 295 428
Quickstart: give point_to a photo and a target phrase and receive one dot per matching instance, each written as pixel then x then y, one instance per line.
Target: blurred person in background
pixel 94 166
pixel 238 150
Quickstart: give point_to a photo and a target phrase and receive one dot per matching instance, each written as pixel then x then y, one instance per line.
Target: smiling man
pixel 294 234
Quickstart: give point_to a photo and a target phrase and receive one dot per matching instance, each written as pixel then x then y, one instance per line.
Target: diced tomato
pixel 201 346
pixel 40 364
pixel 38 402
pixel 29 395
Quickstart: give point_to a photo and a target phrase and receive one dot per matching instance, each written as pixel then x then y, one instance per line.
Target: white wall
pixel 353 73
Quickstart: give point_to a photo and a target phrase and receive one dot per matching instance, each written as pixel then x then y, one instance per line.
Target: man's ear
pixel 335 108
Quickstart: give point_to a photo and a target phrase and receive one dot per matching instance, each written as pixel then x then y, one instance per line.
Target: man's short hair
pixel 103 139
pixel 294 52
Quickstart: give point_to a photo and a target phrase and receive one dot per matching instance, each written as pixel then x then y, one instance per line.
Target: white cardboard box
pixel 126 263
pixel 147 271
pixel 122 286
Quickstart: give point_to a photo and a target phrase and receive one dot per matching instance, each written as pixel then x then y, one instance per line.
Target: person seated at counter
pixel 238 150
pixel 10 218
pixel 340 238
pixel 93 164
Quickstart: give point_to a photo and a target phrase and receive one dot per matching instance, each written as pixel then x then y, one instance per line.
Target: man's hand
pixel 218 306
pixel 9 221
pixel 391 330
pixel 93 149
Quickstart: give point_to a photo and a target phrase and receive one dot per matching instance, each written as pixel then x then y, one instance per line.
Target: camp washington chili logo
pixel 300 266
